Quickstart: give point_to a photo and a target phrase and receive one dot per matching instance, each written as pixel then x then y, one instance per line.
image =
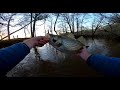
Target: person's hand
pixel 84 54
pixel 36 41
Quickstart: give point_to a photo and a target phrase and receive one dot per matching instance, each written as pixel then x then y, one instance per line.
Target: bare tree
pixel 36 17
pixel 25 32
pixel 77 25
pixel 56 22
pixel 8 25
pixel 31 23
pixel 51 27
pixel 111 20
pixel 81 22
pixel 6 19
pixel 24 21
pixel 34 22
pixel 115 18
pixel 67 19
pixel 16 30
pixel 3 19
pixel 96 23
pixel 72 20
pixel 52 23
pixel 63 26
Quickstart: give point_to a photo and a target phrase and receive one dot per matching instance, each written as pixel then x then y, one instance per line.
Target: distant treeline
pixel 107 32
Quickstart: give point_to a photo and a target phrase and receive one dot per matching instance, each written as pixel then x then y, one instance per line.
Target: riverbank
pixel 6 43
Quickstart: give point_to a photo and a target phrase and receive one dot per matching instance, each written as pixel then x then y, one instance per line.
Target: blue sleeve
pixel 109 66
pixel 11 56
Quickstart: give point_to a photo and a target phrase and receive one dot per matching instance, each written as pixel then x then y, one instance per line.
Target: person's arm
pixel 12 55
pixel 109 66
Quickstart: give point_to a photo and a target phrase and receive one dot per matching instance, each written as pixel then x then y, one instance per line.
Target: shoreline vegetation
pixel 85 34
pixel 106 33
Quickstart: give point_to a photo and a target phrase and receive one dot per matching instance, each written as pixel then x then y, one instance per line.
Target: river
pixel 59 64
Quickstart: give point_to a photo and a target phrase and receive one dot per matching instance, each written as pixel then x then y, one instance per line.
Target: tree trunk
pixel 37 55
pixel 77 24
pixel 16 31
pixel 98 25
pixel 8 29
pixel 70 27
pixel 31 25
pixel 35 19
pixel 25 33
pixel 68 22
pixel 92 31
pixel 51 28
pixel 73 24
pixel 56 22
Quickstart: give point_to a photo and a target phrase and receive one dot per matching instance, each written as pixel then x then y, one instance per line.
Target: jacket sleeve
pixel 11 56
pixel 109 66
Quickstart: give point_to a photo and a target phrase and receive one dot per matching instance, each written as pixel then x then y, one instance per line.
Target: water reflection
pixel 47 52
pixel 96 46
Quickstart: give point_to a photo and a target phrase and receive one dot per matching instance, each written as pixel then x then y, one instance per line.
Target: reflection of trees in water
pixel 48 52
pixel 91 44
pixel 114 48
pixel 97 46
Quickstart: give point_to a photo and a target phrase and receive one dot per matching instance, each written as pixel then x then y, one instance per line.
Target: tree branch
pixel 16 31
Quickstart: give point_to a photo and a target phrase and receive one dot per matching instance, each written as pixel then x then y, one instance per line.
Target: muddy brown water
pixel 57 64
